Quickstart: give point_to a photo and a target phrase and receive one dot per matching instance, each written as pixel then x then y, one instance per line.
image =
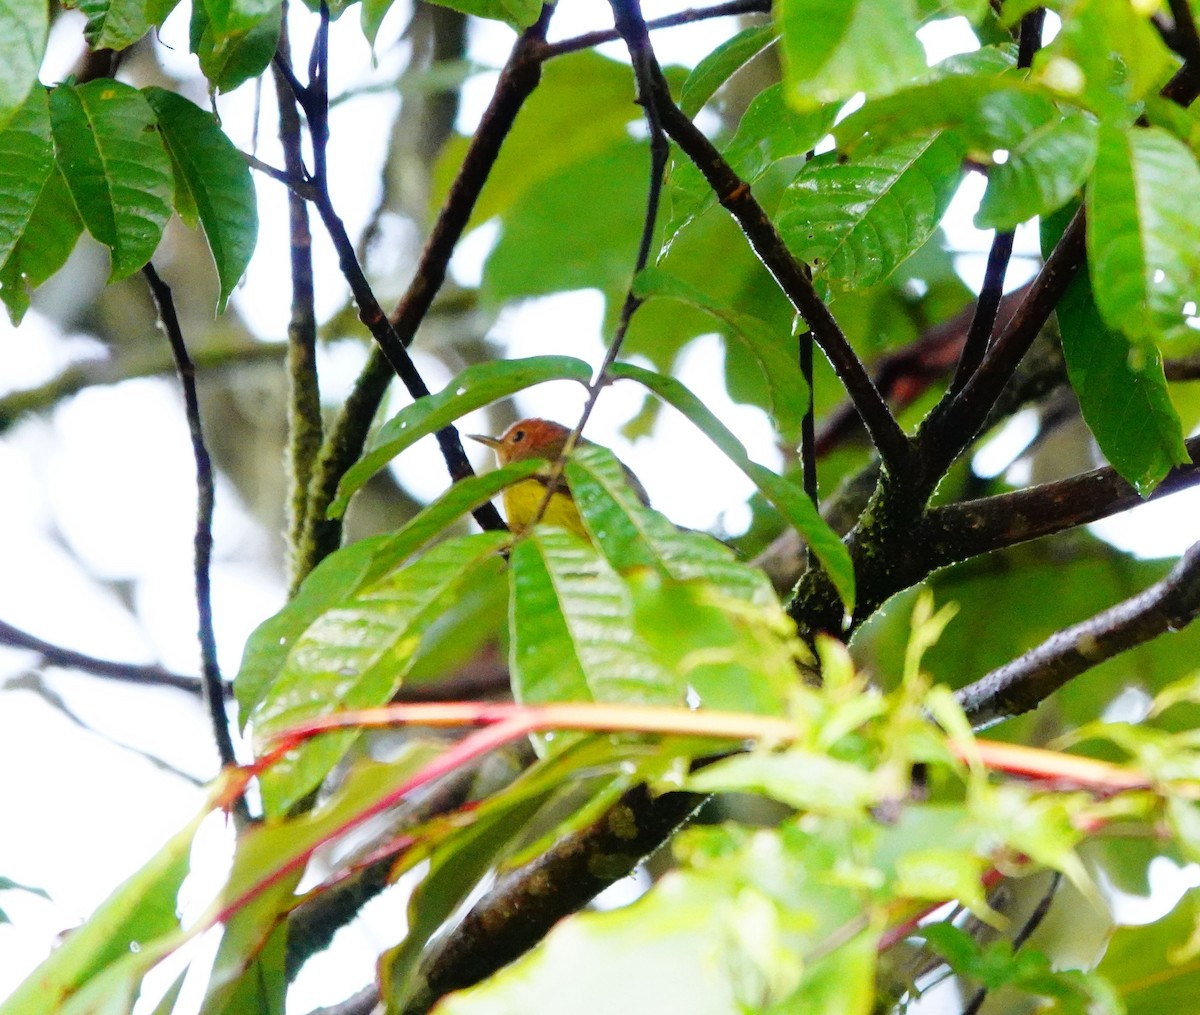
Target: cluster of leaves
pixel 783 913
pixel 118 161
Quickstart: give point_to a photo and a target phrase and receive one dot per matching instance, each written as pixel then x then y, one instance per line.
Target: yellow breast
pixel 522 500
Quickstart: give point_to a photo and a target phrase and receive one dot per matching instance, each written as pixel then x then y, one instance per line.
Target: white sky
pixel 88 813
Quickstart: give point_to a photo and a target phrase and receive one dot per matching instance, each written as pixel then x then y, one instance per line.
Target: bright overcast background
pixel 103 488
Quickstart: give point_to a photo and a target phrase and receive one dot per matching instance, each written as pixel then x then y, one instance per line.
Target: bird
pixel 542 438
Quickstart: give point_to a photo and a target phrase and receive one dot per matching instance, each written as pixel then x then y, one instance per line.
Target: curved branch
pixel 734 8
pixel 1021 685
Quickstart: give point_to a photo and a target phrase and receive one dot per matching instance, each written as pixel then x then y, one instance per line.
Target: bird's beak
pixel 491 442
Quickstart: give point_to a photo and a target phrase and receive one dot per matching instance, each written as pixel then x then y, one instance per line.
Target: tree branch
pixel 1021 685
pixel 520 910
pixel 131 673
pixel 214 696
pixel 305 424
pixel 735 8
pixel 792 275
pixel 101 372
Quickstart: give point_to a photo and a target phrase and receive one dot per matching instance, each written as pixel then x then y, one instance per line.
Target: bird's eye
pixel 518 436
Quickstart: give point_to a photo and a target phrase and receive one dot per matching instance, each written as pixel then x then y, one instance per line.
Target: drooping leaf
pixel 774 352
pixel 234 48
pixel 217 180
pixel 38 221
pixel 473 388
pixel 789 499
pixel 26 162
pixel 115 165
pixel 343 573
pixel 1122 392
pixel 49 237
pixel 856 221
pixel 114 24
pixel 572 628
pixel 721 64
pixel 832 51
pixel 356 655
pixel 1143 242
pixel 22 42
pixel 1041 175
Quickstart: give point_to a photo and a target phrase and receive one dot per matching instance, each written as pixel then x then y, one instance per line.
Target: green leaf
pixel 857 221
pixel 356 655
pixel 1149 966
pixel 1143 242
pixel 240 50
pixel 572 630
pixel 789 499
pixel 473 388
pixel 115 165
pixel 22 43
pixel 535 255
pixel 770 130
pixel 50 236
pixel 721 64
pixel 26 162
pixel 1122 392
pixel 519 14
pixel 1041 175
pixel 802 779
pixel 114 24
pixel 346 571
pixel 832 51
pixel 775 353
pixel 141 911
pixel 216 179
pixel 985 103
pixel 629 534
pixel 582 107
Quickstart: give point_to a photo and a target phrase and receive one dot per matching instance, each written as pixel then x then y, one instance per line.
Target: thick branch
pixel 1024 683
pixel 524 905
pixel 304 397
pixel 970 528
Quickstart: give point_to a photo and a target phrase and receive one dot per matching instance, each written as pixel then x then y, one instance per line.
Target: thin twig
pixel 979 337
pixel 314 99
pixel 632 28
pixel 214 696
pixel 131 673
pixel 296 185
pixel 347 435
pixel 1022 684
pixel 736 8
pixel 1031 924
